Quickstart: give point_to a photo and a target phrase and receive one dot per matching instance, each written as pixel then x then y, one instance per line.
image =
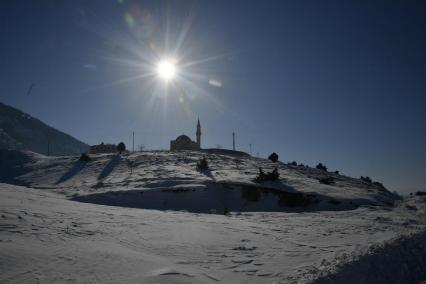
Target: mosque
pixel 183 142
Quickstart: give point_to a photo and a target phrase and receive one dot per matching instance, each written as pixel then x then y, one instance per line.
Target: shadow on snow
pixel 115 160
pixel 217 198
pixel 76 168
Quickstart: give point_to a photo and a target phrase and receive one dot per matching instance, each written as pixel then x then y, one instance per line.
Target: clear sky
pixel 337 82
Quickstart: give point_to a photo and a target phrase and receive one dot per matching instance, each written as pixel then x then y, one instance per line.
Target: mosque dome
pixel 183 142
pixel 183 138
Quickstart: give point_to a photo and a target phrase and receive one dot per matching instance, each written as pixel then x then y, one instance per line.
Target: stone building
pixel 183 142
pixel 103 148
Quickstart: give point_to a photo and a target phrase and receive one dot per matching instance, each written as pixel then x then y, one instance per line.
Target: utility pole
pixel 233 141
pixel 133 141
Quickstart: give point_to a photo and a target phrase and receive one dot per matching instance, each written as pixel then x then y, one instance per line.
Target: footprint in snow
pixel 168 271
pixel 244 248
pixel 242 261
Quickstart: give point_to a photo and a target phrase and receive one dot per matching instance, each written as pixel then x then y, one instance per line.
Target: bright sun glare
pixel 166 69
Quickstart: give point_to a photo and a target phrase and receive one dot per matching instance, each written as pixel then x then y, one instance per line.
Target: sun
pixel 166 69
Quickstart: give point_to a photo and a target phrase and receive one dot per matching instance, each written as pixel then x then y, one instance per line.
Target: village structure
pixel 183 142
pixel 103 148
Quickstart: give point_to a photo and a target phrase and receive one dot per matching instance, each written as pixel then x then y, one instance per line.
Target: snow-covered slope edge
pixel 401 260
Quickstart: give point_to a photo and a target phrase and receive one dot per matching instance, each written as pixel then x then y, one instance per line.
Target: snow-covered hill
pixel 295 230
pixel 169 180
pixel 21 131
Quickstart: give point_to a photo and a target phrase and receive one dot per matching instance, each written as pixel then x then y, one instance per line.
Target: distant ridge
pixel 21 131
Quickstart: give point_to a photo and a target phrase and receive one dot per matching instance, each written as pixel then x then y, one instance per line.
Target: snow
pixel 47 236
pixel 160 174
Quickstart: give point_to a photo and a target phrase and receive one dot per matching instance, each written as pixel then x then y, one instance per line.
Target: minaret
pixel 198 134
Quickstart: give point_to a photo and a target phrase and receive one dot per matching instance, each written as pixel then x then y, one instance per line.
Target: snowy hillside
pixel 19 130
pixel 295 230
pixel 169 180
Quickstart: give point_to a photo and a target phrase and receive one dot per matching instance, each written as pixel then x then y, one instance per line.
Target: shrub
pixel 320 166
pixel 337 172
pixel 379 185
pixel 326 180
pixel 273 157
pixel 271 176
pixel 366 179
pixel 202 164
pixel 121 147
pixel 420 193
pixel 84 158
pixel 411 207
pixel 294 163
pixel 226 210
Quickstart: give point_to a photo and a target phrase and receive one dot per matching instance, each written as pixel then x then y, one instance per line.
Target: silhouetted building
pixel 183 142
pixel 103 148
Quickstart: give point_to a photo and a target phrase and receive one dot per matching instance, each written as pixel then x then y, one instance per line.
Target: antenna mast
pixel 233 141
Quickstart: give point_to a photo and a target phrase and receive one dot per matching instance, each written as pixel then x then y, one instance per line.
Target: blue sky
pixel 338 82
